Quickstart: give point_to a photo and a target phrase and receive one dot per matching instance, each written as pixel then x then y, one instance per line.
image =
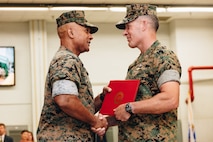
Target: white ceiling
pixel 98 16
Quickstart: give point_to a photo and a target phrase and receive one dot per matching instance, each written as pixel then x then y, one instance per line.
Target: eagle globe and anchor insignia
pixel 118 98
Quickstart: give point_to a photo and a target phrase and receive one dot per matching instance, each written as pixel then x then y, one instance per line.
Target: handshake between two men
pixel 106 121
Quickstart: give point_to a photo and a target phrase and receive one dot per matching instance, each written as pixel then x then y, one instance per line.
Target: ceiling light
pixel 23 9
pixel 78 8
pixel 111 8
pixel 117 9
pixel 190 9
pixel 161 9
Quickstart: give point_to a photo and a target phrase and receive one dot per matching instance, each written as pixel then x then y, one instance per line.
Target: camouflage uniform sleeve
pixel 65 68
pixel 168 67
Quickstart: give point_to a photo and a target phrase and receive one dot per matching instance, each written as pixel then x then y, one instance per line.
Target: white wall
pixel 108 58
pixel 15 102
pixel 193 45
pixel 192 40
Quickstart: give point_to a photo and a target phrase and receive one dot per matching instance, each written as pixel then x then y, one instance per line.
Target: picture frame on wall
pixel 7 65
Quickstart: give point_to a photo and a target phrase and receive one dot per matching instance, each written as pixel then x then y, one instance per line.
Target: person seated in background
pixel 31 138
pixel 26 136
pixel 3 136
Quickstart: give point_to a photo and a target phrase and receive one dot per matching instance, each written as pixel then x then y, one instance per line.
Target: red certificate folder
pixel 123 91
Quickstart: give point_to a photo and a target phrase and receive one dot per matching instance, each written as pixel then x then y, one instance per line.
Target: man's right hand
pixel 101 125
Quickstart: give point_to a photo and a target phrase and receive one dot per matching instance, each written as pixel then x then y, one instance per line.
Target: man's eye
pixel 88 30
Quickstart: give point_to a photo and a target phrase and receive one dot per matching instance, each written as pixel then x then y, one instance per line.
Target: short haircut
pixel 2 124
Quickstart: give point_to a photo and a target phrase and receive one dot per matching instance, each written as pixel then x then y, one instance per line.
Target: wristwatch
pixel 128 108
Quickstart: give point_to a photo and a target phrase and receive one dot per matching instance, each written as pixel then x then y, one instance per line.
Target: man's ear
pixel 70 33
pixel 143 24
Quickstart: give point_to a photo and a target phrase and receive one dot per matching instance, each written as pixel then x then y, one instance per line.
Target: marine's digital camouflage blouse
pixel 148 68
pixel 55 125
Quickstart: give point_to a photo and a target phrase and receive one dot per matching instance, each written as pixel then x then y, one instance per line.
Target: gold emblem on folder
pixel 118 98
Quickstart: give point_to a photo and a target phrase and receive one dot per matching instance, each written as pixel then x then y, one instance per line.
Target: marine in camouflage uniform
pixel 153 68
pixel 60 126
pixel 148 68
pixel 55 124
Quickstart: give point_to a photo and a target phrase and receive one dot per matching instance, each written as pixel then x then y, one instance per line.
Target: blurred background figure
pixel 26 136
pixel 3 136
pixel 31 138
